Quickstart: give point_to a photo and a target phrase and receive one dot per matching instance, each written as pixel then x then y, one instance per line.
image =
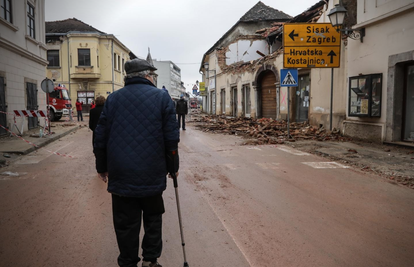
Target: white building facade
pixel 169 75
pixel 22 61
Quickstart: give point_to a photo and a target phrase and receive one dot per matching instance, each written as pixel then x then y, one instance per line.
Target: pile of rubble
pixel 264 130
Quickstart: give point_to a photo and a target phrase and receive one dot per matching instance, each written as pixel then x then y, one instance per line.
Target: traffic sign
pixel 47 86
pixel 318 57
pixel 289 77
pixel 311 45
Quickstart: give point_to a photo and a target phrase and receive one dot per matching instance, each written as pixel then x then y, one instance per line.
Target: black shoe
pixel 183 129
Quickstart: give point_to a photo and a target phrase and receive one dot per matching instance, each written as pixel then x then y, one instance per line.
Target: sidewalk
pixel 12 146
pixel 395 163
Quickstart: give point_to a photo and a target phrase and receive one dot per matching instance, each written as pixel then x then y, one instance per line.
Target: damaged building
pixel 228 66
pixel 372 89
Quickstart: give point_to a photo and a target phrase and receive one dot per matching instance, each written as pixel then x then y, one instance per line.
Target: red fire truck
pixel 59 103
pixel 193 102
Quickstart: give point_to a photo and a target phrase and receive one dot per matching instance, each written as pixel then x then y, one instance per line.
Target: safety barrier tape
pixel 30 113
pixel 30 143
pixel 27 113
pixel 21 114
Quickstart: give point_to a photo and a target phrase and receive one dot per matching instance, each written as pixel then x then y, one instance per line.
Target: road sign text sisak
pixel 311 45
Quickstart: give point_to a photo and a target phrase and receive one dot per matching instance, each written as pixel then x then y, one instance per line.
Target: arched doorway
pixel 268 96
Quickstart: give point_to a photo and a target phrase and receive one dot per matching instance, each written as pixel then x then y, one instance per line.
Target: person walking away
pixel 136 146
pixel 79 109
pixel 182 110
pixel 94 115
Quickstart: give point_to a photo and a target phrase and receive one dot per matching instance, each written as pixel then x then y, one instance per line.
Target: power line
pixel 198 63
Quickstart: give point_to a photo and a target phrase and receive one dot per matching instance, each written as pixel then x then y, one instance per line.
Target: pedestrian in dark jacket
pixel 182 110
pixel 94 115
pixel 136 146
pixel 79 109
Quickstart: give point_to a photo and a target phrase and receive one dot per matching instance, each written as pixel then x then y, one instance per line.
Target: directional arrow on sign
pixel 332 54
pixel 292 35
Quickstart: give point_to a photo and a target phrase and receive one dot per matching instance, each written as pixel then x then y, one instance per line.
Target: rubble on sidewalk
pixel 264 130
pixel 394 163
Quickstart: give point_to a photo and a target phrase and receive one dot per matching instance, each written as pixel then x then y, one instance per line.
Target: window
pixel 53 58
pixel 54 94
pixel 114 61
pixel 5 12
pixel 31 21
pixel 123 65
pixel 365 95
pixel 84 57
pixel 86 97
pixel 119 62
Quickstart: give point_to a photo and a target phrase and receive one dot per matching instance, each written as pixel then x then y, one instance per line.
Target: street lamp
pixel 337 15
pixel 206 65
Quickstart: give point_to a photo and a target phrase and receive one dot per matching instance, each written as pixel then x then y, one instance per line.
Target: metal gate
pixel 302 99
pixel 223 101
pixel 408 116
pixel 3 118
pixel 234 101
pixel 31 90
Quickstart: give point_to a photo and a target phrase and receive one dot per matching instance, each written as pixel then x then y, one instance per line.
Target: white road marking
pixel 266 166
pixel 325 165
pixel 231 166
pixel 253 147
pixel 39 155
pixel 293 151
pixel 6 176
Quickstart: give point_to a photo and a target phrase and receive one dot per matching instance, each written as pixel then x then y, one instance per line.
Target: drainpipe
pixel 70 92
pixel 113 71
pixel 277 100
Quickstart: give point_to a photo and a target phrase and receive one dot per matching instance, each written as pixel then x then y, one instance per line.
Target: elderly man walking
pixel 136 143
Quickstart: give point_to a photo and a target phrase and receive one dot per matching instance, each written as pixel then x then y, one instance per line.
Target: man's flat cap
pixel 137 65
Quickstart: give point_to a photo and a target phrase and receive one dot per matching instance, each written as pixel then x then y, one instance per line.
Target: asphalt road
pixel 241 206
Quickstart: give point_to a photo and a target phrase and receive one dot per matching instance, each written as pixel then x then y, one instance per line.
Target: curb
pixel 44 143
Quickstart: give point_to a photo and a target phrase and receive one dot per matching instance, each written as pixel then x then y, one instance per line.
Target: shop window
pixel 86 97
pixel 365 95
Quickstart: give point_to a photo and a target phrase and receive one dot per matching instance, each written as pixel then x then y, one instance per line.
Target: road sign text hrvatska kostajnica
pixel 311 45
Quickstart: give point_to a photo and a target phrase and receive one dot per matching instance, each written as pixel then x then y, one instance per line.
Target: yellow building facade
pixel 89 63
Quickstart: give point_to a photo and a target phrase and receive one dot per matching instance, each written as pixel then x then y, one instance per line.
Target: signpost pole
pixel 288 107
pixel 330 115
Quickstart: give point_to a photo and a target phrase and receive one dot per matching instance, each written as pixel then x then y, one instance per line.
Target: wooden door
pixel 268 95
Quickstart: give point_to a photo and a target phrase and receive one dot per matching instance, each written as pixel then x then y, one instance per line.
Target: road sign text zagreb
pixel 311 45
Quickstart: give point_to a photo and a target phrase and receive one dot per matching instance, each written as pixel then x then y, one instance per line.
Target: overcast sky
pixel 177 30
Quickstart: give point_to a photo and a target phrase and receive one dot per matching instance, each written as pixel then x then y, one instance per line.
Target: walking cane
pixel 174 176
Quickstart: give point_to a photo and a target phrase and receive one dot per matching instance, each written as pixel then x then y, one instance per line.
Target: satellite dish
pixel 47 86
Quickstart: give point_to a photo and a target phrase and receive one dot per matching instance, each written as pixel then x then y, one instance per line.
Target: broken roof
pixel 311 15
pixel 259 12
pixel 69 25
pixel 262 12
